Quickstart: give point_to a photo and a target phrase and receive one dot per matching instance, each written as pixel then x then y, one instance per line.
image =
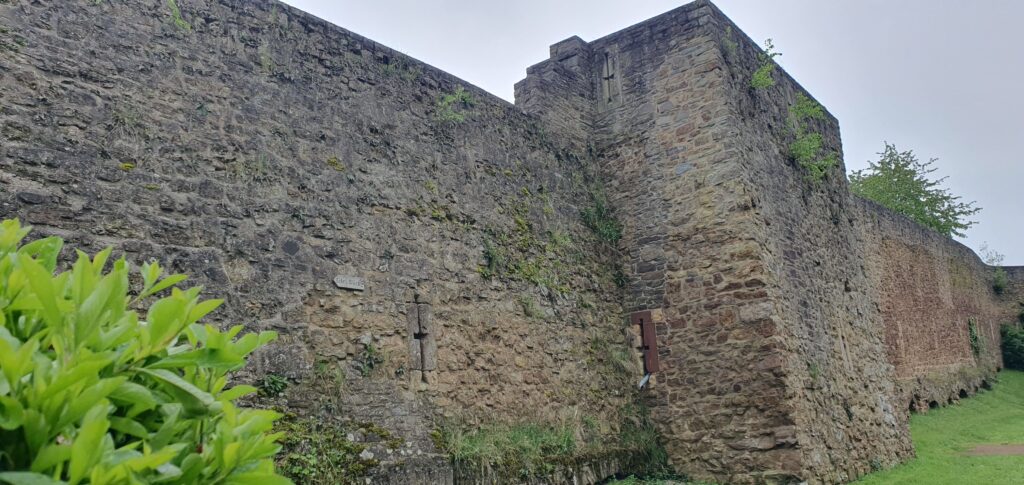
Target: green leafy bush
pixel 805 109
pixel 272 385
pixel 1013 347
pixel 532 448
pixel 525 449
pixel 1000 280
pixel 762 77
pixel 176 17
pixel 91 393
pixel 600 219
pixel 977 342
pixel 451 106
pixel 318 452
pixel 806 149
pixel 902 183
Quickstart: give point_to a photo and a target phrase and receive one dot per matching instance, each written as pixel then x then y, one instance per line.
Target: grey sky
pixel 943 78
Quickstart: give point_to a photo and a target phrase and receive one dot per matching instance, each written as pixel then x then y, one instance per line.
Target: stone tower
pixel 772 358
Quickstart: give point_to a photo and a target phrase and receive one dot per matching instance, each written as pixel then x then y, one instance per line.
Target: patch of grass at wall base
pixel 318 452
pixel 943 437
pixel 537 450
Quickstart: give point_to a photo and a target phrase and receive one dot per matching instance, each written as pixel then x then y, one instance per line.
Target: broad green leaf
pixel 42 284
pixel 11 413
pixel 51 456
pixel 163 285
pixel 166 433
pixel 45 251
pixel 87 320
pixel 11 233
pixel 191 467
pixel 257 478
pixel 86 402
pixel 267 337
pixel 138 397
pixel 16 363
pixel 235 393
pixel 75 375
pixel 205 358
pixel 85 447
pixel 27 478
pixel 100 260
pixel 5 388
pixel 195 401
pixel 129 426
pixel 230 455
pixel 165 320
pixel 153 461
pixel 37 432
pixel 167 472
pixel 202 309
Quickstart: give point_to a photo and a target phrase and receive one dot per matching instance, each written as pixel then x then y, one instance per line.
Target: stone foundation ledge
pixel 938 389
pixel 585 471
pixel 420 470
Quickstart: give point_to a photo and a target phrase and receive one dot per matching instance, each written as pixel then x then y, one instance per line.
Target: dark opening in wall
pixel 933 404
pixel 985 385
pixel 914 401
pixel 963 393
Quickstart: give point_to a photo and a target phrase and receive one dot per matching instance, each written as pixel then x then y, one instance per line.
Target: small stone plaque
pixel 354 283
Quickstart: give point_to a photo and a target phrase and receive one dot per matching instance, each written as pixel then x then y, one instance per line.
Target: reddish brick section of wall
pixel 930 289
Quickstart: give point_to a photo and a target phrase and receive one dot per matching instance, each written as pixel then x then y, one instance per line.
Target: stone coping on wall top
pixel 908 225
pixel 375 47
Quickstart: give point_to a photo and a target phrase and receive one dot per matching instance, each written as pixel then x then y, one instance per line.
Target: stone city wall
pixel 416 241
pixel 419 244
pixel 931 291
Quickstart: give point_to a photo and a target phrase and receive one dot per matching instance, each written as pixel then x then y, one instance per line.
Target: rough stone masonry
pixel 423 236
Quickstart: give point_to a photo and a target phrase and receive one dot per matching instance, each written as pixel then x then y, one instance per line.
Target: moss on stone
pixel 534 448
pixel 335 164
pixel 317 451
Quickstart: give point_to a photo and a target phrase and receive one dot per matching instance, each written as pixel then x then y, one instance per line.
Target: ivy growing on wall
pixel 806 149
pixel 977 344
pixel 451 107
pixel 762 77
pixel 176 17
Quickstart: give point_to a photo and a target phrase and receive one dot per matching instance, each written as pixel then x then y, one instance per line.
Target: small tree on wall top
pixel 899 181
pixel 90 392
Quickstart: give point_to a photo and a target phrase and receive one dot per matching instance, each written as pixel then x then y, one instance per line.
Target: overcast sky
pixel 943 78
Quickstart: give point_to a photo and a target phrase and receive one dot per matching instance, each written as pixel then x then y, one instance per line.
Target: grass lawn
pixel 943 435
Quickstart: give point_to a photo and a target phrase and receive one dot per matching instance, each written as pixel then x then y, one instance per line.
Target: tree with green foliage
pixel 901 182
pixel 991 257
pixel 93 392
pixel 1013 347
